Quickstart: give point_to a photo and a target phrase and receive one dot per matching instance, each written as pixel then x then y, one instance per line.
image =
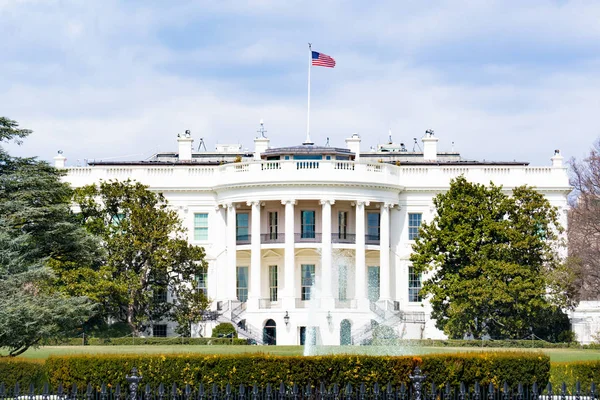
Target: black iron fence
pixel 415 390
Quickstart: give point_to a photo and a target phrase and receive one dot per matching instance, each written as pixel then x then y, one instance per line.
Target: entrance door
pixel 270 332
pixel 345 333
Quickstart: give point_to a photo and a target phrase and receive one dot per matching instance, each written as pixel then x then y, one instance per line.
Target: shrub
pixel 24 371
pixel 224 329
pixel 585 372
pixel 248 369
pixel 148 341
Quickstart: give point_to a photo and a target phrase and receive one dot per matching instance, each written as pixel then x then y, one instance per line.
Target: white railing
pixel 321 171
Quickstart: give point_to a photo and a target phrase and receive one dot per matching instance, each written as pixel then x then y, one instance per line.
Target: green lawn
pixel 44 352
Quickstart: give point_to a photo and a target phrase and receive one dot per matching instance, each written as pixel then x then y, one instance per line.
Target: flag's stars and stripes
pixel 322 60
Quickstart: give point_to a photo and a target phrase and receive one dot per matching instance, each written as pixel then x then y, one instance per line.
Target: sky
pixel 502 80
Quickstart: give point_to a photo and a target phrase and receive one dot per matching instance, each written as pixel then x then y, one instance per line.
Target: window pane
pixel 342 282
pixel 414 222
pixel 242 226
pixel 414 285
pixel 273 225
pixel 203 283
pixel 342 224
pixel 308 224
pixel 159 330
pixel 273 282
pixel 373 226
pixel 307 278
pixel 201 226
pixel 373 281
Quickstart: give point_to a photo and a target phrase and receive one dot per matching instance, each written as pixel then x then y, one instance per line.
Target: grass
pixel 45 352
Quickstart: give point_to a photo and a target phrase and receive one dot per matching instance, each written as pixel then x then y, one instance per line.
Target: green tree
pixel 224 329
pixel 189 308
pixel 147 253
pixel 492 261
pixel 37 230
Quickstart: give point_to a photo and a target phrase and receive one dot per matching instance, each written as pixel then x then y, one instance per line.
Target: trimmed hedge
pixel 585 372
pixel 148 341
pixel 262 369
pixel 24 371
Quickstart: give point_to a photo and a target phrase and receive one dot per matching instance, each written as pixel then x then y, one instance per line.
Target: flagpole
pixel 308 141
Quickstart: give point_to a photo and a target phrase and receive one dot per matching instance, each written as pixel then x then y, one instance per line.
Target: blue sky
pixel 503 80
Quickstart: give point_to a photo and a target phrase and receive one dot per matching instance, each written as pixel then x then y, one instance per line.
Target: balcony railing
pixel 272 238
pixel 371 239
pixel 300 303
pixel 343 238
pixel 268 303
pixel 308 237
pixel 242 239
pixel 347 303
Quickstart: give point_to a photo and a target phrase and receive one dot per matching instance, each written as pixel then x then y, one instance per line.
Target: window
pixel 273 225
pixel 373 226
pixel 307 224
pixel 308 277
pixel 414 222
pixel 342 282
pixel 373 281
pixel 342 224
pixel 201 226
pixel 273 282
pixel 159 294
pixel 414 285
pixel 242 284
pixel 159 330
pixel 203 283
pixel 241 226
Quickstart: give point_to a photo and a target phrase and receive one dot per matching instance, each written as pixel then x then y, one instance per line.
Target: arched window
pixel 345 333
pixel 270 332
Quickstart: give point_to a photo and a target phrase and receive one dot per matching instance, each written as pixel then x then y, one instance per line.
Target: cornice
pixel 363 185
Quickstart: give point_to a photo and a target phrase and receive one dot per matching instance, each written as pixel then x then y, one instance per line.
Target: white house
pixel 312 243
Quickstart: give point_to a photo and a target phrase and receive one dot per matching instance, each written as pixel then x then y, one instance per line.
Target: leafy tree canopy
pixel 492 261
pixel 37 230
pixel 147 254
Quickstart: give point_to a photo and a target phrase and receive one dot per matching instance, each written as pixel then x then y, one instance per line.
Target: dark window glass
pixel 241 226
pixel 307 224
pixel 414 222
pixel 373 226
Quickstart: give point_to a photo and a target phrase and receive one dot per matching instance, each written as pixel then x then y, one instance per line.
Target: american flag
pixel 322 60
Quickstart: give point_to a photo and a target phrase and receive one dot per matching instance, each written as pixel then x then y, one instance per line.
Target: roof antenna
pixel 416 144
pixel 201 144
pixel 390 136
pixel 453 147
pixel 327 144
pixel 262 130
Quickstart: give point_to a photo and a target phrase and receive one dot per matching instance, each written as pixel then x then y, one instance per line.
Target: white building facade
pixel 310 243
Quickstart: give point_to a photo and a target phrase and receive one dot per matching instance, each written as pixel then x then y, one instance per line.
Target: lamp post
pixel 286 318
pixel 329 319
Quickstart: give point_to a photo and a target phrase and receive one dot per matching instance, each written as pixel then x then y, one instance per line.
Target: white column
pixel 361 269
pixel 384 253
pixel 326 253
pixel 231 253
pixel 255 260
pixel 289 290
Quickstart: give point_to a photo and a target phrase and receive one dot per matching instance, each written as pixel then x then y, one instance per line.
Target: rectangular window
pixel 308 278
pixel 414 286
pixel 273 282
pixel 414 223
pixel 342 282
pixel 159 294
pixel 373 281
pixel 241 226
pixel 242 284
pixel 273 225
pixel 203 283
pixel 373 226
pixel 342 224
pixel 201 226
pixel 307 224
pixel 159 330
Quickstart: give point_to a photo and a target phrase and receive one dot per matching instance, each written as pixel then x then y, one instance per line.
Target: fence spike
pixel 255 391
pixel 433 390
pixel 593 391
pixel 242 392
pixel 118 392
pixel 461 391
pixel 88 391
pixel 336 390
pixel 308 391
pixel 201 391
pixel 60 392
pixel 187 391
pixel 281 391
pixel 215 391
pixel 348 391
pixel 491 390
pixel 577 390
pixel 45 391
pixel 31 391
pixel 549 390
pixel 476 391
pixel 268 392
pixel 295 390
pixel 390 392
pixel 534 391
pixel 563 391
pixel 161 391
pixel 148 392
pixel 103 392
pixel 447 391
pixel 228 391
pixel 322 390
pixel 505 391
pixel 17 390
pixel 376 391
pixel 2 390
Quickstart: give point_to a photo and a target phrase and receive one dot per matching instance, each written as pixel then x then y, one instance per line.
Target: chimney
pixel 185 146
pixel 261 142
pixel 557 159
pixel 59 160
pixel 353 144
pixel 429 146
